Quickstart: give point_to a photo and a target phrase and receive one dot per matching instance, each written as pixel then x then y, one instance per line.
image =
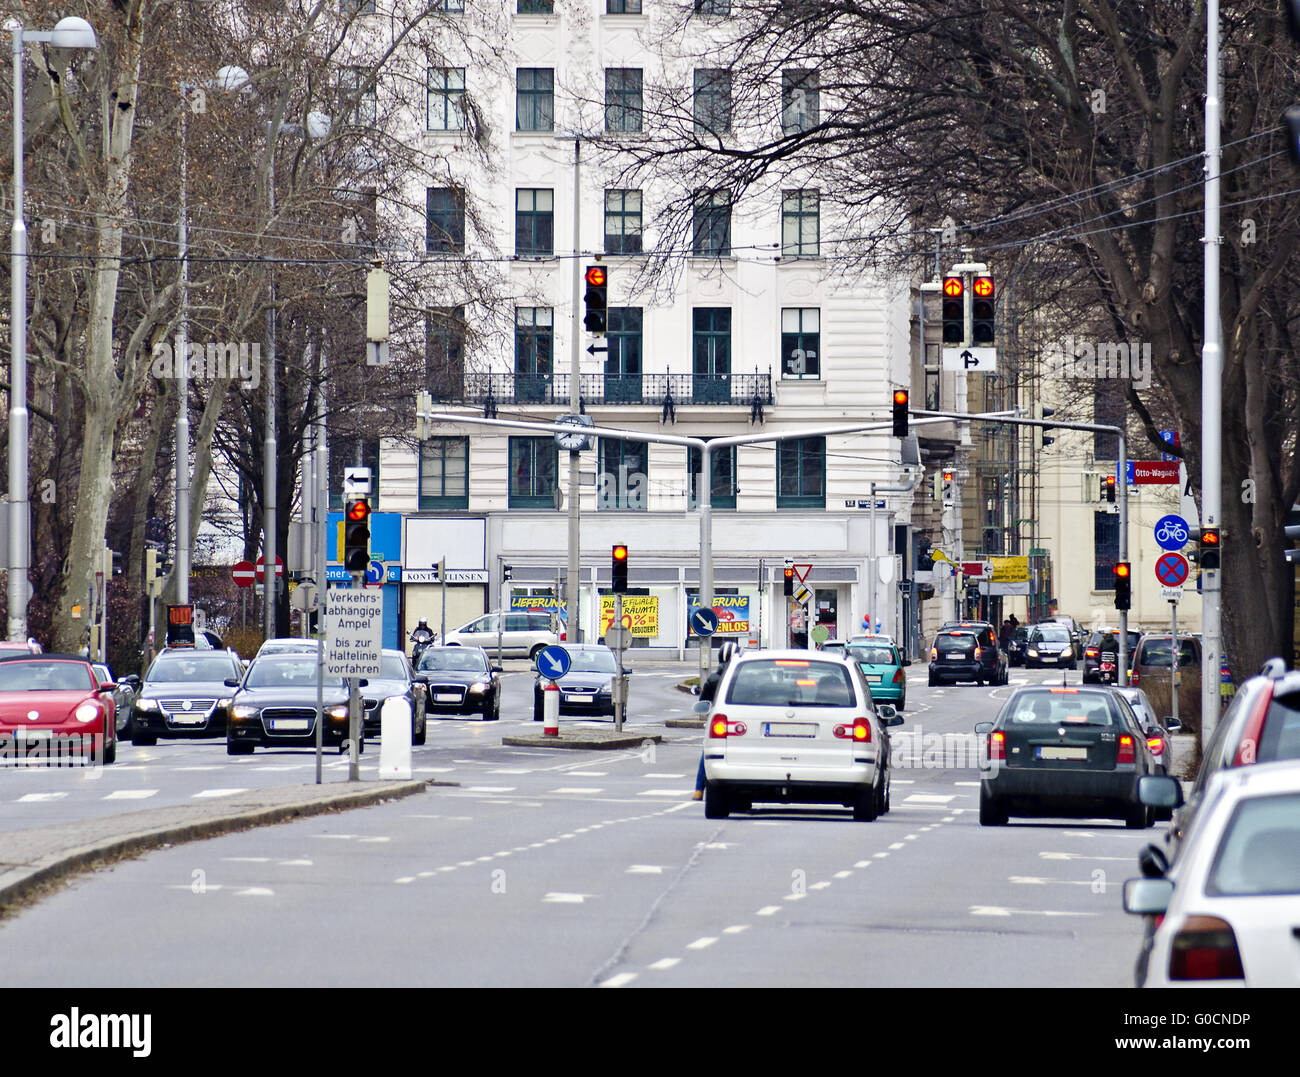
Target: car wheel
pixel 867 805
pixel 902 702
pixel 110 752
pixel 538 714
pixel 933 680
pixel 421 733
pixel 882 801
pixel 144 740
pixel 538 649
pixel 715 801
pixel 991 812
pixel 1138 817
pixel 234 747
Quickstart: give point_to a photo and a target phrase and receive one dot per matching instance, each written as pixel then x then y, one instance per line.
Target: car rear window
pixel 1259 852
pixel 1159 652
pixel 1280 738
pixel 954 641
pixel 789 682
pixel 1060 706
pixel 873 656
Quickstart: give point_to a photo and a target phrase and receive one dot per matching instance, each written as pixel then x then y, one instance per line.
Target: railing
pixel 681 390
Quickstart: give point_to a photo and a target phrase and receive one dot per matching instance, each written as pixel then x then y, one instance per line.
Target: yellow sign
pixel 939 555
pixel 1010 569
pixel 640 614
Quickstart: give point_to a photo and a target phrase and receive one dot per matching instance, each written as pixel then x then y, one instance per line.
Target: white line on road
pixel 131 794
pixel 217 793
pixel 619 980
pixel 665 963
pixel 702 943
pixel 31 798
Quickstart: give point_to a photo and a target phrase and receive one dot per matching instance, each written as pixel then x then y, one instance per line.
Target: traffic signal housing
pixel 983 308
pixel 954 310
pixel 356 534
pixel 618 569
pixel 789 581
pixel 900 413
pixel 596 299
pixel 1108 488
pixel 1211 544
pixel 1123 585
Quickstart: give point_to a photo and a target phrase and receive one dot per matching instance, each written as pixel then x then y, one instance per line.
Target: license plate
pixel 1054 751
pixel 33 734
pixel 790 729
pixel 957 657
pixel 576 697
pixel 187 719
pixel 291 725
pixel 446 697
pixel 873 678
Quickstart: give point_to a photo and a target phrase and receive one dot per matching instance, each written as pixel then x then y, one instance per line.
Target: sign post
pixel 354 646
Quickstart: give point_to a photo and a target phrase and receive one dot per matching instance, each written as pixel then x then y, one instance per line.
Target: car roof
pixel 28 656
pixel 1258 779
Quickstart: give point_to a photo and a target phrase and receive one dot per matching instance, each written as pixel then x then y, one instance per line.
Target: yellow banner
pixel 640 614
pixel 1010 569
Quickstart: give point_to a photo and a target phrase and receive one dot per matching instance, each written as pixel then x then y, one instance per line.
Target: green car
pixel 882 666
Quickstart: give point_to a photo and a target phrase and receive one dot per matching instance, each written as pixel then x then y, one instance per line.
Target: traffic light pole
pixel 573 588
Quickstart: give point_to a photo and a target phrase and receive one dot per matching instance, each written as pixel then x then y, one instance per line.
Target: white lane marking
pixel 247 859
pixel 896 845
pixel 1080 856
pixel 131 794
pixel 735 929
pixel 575 790
pixel 768 910
pixel 842 874
pixel 589 773
pixel 645 869
pixel 554 898
pixel 374 839
pixel 32 798
pixel 1034 880
pixel 490 788
pixel 338 837
pixel 666 777
pixel 665 963
pixel 512 770
pixel 295 864
pixel 999 910
pixel 928 798
pixel 702 943
pixel 217 793
pixel 665 793
pixel 255 891
pixel 619 980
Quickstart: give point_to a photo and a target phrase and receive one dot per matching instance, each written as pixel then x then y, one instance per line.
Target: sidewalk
pixel 39 858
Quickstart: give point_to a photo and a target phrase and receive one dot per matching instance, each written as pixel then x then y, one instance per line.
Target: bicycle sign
pixel 1171 532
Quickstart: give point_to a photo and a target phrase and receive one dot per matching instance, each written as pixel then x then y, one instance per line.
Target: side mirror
pixel 498 669
pixel 231 682
pixel 108 686
pixel 888 715
pixel 984 727
pixel 907 661
pixel 1147 897
pixel 701 707
pixel 1173 725
pixel 1152 862
pixel 1160 791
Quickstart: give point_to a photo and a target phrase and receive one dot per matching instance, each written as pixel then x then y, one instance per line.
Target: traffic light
pixel 948 478
pixel 1047 413
pixel 596 299
pixel 507 573
pixel 954 311
pixel 1123 585
pixel 983 303
pixel 900 413
pixel 1211 546
pixel 1108 488
pixel 618 569
pixel 789 581
pixel 356 534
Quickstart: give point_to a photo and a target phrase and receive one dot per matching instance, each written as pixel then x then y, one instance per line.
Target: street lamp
pixel 68 33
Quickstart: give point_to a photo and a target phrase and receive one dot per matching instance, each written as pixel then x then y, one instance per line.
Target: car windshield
pixel 190 668
pixel 392 668
pixel 454 658
pixel 592 662
pixel 1050 634
pixel 287 672
pixel 1108 639
pixel 44 677
pixel 873 656
pixel 1065 706
pixel 791 682
pixel 1280 738
pixel 1259 852
pixel 1160 652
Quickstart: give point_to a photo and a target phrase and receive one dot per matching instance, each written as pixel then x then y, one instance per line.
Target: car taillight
pixel 934 653
pixel 859 731
pixel 898 676
pixel 1126 751
pixel 997 745
pixel 1156 744
pixel 1091 652
pixel 1132 676
pixel 1205 949
pixel 977 654
pixel 720 727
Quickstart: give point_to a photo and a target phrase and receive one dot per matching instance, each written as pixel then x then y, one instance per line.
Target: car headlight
pixel 87 712
pixel 1033 653
pixel 339 711
pixel 479 687
pixel 244 711
pixel 149 706
pixel 223 703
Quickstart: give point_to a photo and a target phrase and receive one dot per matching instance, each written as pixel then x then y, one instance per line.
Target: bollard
pixel 551 709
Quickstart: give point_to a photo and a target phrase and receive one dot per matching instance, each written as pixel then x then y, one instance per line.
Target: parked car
pixel 275 706
pixel 184 694
pixel 967 651
pixel 460 680
pixel 1063 751
pixel 882 666
pixel 56 701
pixel 1101 655
pixel 588 687
pixel 124 689
pixel 1151 666
pixel 1017 645
pixel 1225 914
pixel 9 648
pixel 794 727
pixel 1049 644
pixel 1261 725
pixel 395 681
pixel 521 634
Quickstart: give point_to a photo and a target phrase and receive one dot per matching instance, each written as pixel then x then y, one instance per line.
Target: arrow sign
pixel 553 662
pixel 704 621
pixel 592 349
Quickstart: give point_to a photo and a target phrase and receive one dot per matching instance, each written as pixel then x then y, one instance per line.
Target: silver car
pixel 521 633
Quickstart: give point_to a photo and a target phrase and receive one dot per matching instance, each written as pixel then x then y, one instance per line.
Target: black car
pixel 184 695
pixel 1075 752
pixel 967 651
pixel 1017 645
pixel 1101 655
pixel 395 681
pixel 275 706
pixel 1049 644
pixel 588 687
pixel 460 680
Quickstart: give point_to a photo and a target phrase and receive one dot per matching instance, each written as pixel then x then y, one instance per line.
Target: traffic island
pixel 694 722
pixel 592 739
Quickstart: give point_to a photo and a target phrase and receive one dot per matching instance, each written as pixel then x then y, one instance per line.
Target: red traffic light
pixel 900 397
pixel 1210 536
pixel 1122 570
pixel 953 286
pixel 983 287
pixel 358 510
pixel 596 276
pixel 620 553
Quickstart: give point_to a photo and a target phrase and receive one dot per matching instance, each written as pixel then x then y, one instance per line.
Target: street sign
pixel 1171 532
pixel 618 638
pixel 1171 570
pixel 553 662
pixel 356 481
pixel 801 572
pixel 704 621
pixel 375 574
pixel 971 360
pixel 1152 472
pixel 260 568
pixel 354 623
pixel 244 573
pixel 977 570
pixel 1172 594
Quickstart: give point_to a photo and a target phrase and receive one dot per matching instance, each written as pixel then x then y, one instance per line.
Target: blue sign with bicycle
pixel 1171 532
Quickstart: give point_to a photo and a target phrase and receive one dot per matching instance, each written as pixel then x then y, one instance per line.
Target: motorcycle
pixel 420 646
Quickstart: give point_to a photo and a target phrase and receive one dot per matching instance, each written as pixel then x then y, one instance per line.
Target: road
pixel 560 868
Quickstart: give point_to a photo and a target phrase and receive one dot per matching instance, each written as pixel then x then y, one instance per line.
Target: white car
pixel 796 727
pixel 1227 913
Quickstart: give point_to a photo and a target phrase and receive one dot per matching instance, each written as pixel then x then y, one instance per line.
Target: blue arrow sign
pixel 374 572
pixel 704 621
pixel 553 662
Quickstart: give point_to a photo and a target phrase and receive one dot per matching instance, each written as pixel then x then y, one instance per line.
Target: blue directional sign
pixel 704 621
pixel 1172 532
pixel 375 572
pixel 553 662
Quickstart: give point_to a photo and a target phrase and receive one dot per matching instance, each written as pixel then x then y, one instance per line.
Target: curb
pixel 62 864
pixel 590 740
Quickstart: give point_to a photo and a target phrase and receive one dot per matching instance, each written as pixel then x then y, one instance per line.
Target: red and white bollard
pixel 551 709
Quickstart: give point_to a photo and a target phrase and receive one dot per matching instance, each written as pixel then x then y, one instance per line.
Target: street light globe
pixel 232 79
pixel 73 33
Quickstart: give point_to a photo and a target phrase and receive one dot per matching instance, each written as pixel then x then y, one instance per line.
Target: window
pixel 712 101
pixel 533 469
pixel 536 7
pixel 444 352
pixel 722 490
pixel 1105 546
pixel 622 480
pixel 444 473
pixel 623 360
pixel 933 370
pixel 622 7
pixel 360 101
pixel 450 7
pixel 1109 408
pixel 622 222
pixel 711 231
pixel 535 99
pixel 800 224
pixel 713 7
pixel 800 101
pixel 534 353
pixel 343 454
pixel 357 7
pixel 445 230
pixel 801 474
pixel 622 99
pixel 801 342
pixel 446 99
pixel 711 355
pixel 534 222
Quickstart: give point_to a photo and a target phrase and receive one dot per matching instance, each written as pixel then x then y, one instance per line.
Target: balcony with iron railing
pixel 655 390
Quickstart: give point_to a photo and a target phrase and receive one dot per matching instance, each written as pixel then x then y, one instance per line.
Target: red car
pixel 53 708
